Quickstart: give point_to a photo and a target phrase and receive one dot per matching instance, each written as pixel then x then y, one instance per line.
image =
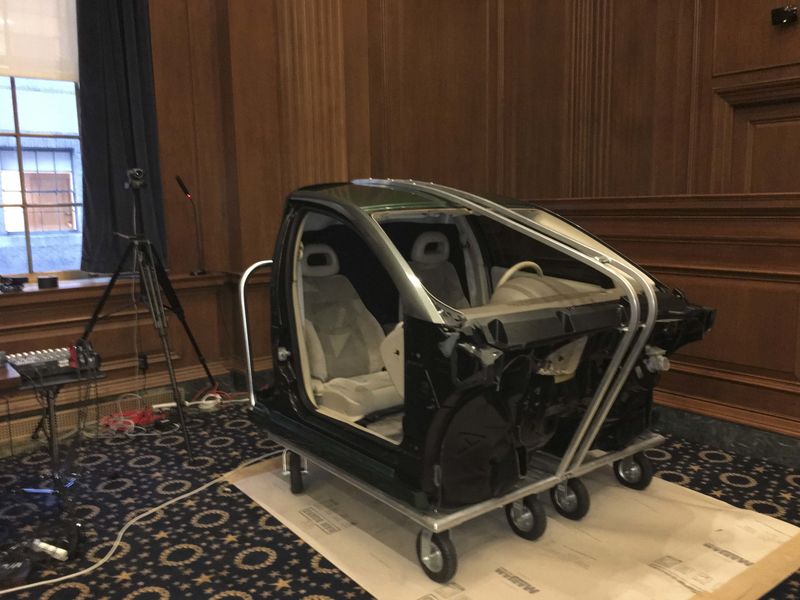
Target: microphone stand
pixel 198 236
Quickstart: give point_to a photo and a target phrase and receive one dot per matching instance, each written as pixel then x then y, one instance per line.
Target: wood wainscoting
pixel 739 254
pixel 546 99
pixel 38 319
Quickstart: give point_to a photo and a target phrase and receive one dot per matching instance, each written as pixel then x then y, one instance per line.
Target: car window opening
pixel 349 312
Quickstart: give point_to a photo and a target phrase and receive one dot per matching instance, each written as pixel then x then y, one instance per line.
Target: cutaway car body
pixel 432 342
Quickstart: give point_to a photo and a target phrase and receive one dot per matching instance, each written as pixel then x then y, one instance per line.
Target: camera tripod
pixel 154 282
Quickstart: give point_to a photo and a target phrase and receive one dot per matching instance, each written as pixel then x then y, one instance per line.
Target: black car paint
pixel 431 467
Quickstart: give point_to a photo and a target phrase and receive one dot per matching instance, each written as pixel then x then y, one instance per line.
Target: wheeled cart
pixel 525 513
pixel 560 476
pixel 437 414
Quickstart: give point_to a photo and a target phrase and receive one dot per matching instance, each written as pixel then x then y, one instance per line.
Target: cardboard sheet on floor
pixel 666 542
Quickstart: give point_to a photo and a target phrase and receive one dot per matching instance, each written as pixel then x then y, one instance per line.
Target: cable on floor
pixel 132 522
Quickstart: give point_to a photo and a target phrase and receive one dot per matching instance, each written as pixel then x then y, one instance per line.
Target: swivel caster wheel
pixel 570 499
pixel 635 472
pixel 295 472
pixel 527 518
pixel 437 555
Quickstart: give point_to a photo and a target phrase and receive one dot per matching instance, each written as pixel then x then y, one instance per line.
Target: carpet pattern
pixel 218 544
pixel 744 482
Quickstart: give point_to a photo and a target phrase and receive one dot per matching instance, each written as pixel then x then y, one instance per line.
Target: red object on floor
pixel 140 418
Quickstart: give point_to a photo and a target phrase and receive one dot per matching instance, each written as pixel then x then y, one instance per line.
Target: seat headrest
pixel 319 260
pixel 430 247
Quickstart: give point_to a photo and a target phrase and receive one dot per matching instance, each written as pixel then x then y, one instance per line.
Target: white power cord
pixel 209 401
pixel 132 522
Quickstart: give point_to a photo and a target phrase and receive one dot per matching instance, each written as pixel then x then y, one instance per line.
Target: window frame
pixel 18 136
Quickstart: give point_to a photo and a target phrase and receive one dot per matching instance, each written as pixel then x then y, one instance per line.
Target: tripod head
pixel 135 179
pixel 135 182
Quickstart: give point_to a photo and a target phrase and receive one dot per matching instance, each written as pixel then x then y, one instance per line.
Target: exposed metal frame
pixel 635 335
pixel 18 137
pixel 579 451
pixel 547 474
pixel 548 471
pixel 245 327
pixel 419 303
pixel 440 520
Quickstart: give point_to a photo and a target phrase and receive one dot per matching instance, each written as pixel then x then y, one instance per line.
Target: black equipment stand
pixel 198 233
pixel 155 282
pixel 47 389
pixel 60 538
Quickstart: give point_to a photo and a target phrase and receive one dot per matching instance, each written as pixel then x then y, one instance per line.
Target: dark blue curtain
pixel 118 129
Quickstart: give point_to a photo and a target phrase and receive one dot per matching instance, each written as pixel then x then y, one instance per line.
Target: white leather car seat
pixel 430 262
pixel 343 340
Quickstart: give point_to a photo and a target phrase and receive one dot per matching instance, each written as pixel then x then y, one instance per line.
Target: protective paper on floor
pixel 666 542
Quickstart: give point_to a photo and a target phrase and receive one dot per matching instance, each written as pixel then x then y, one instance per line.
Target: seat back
pixel 343 338
pixel 430 262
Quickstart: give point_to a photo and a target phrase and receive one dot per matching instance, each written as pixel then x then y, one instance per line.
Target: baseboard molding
pixel 16 436
pixel 748 379
pixel 728 436
pixel 726 412
pixel 23 403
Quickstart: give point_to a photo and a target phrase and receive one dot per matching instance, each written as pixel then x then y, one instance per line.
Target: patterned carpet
pixel 218 544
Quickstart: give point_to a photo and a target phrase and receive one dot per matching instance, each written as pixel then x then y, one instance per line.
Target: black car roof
pixel 375 198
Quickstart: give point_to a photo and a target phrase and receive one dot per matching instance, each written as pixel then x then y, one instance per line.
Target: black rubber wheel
pixel 437 555
pixel 295 473
pixel 571 499
pixel 527 518
pixel 635 472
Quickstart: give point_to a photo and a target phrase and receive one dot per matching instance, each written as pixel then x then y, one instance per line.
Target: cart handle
pixel 245 327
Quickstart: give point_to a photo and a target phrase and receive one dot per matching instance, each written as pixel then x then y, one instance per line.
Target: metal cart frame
pixel 540 479
pixel 559 475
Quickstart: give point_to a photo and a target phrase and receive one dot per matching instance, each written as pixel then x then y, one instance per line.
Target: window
pixel 41 178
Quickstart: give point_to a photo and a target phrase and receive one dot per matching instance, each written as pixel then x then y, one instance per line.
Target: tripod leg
pixel 50 394
pixel 147 275
pixel 104 298
pixel 177 308
pixel 39 428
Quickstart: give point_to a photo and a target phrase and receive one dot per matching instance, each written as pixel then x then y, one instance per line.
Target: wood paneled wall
pixel 632 110
pixel 624 105
pixel 536 99
pixel 194 132
pixel 737 253
pixel 56 318
pixel 632 117
pixel 433 91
